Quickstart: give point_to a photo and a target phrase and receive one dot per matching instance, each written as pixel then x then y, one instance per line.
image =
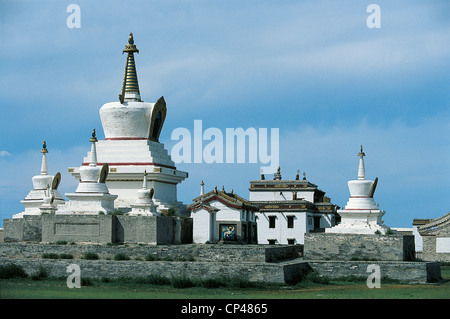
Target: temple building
pixel 131 146
pixel 361 215
pixel 44 185
pixel 435 235
pixel 220 216
pixel 289 208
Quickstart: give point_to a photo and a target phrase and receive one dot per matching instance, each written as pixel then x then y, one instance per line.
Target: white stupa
pixel 49 205
pixel 43 185
pixel 131 146
pixel 144 205
pixel 92 195
pixel 361 214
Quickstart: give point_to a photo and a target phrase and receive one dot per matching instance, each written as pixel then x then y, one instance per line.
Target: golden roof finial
pixel 130 38
pixel 93 138
pixel 44 148
pixel 361 153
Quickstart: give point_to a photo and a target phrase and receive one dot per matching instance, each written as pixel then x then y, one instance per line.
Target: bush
pixel 61 242
pixel 90 256
pixel 121 256
pixel 181 282
pixel 153 280
pixel 50 256
pixel 150 257
pixel 65 256
pixel 12 271
pixel 87 282
pixel 40 274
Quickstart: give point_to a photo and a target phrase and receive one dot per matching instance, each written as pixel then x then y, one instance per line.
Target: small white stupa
pixel 144 205
pixel 361 214
pixel 43 185
pixel 91 196
pixel 48 206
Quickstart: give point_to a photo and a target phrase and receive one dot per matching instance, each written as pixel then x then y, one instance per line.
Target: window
pixel 290 221
pixel 291 241
pixel 272 241
pixel 272 221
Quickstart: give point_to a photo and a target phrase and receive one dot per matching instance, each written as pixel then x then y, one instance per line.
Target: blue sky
pixel 313 69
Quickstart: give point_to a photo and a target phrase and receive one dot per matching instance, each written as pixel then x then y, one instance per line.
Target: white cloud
pixel 5 153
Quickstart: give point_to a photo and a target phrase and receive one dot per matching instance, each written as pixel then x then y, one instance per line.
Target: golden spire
pixel 130 84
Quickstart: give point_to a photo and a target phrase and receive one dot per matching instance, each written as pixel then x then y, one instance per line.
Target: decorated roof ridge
pixel 434 224
pixel 231 198
pixel 282 181
pixel 196 205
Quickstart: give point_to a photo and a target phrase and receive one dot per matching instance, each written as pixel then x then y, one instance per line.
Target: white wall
pixel 201 226
pixel 281 232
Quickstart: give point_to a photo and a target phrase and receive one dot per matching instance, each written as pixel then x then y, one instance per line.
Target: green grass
pixel 14 284
pixel 51 288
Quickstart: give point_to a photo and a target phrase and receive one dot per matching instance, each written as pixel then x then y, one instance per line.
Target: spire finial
pixel 44 147
pixel 361 168
pixel 93 154
pixel 130 38
pixel 202 188
pixel 361 153
pixel 130 86
pixel 44 168
pixel 144 182
pixel 93 138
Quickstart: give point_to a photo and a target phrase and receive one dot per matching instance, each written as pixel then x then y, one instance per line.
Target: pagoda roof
pixel 437 226
pixel 229 199
pixel 284 185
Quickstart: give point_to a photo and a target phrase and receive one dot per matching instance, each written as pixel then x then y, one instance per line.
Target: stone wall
pixel 430 250
pixel 28 228
pixel 254 272
pixel 206 252
pixel 207 261
pixel 99 229
pixel 266 263
pixel 411 272
pixel 326 246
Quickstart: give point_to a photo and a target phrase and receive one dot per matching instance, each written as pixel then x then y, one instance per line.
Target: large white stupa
pixel 361 215
pixel 131 146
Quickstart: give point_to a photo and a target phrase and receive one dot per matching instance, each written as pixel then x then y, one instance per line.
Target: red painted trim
pixel 215 197
pixel 135 164
pixel 125 138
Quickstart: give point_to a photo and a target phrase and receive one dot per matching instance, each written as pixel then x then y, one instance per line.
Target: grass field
pixel 51 288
